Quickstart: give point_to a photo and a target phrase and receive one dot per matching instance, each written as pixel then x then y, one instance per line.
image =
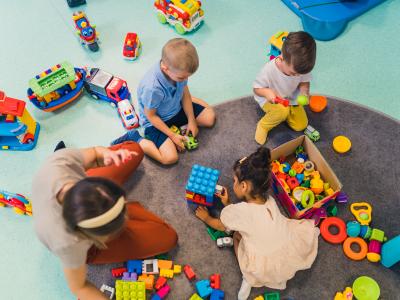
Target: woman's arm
pixel 98 156
pixel 80 287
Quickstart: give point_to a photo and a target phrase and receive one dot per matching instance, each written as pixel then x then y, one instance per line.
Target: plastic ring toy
pixel 352 254
pixel 333 238
pixel 307 199
pixel 341 144
pixel 309 166
pixel 318 103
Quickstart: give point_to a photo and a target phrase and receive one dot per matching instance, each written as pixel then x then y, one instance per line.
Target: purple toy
pixel 341 198
pixel 129 276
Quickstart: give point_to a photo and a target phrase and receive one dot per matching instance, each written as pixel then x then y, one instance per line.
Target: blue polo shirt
pixel 155 91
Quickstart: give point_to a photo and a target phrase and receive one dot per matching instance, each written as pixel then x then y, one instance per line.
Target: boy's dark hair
pixel 256 168
pixel 90 198
pixel 299 49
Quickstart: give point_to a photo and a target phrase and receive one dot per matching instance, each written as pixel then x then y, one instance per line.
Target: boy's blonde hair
pixel 180 54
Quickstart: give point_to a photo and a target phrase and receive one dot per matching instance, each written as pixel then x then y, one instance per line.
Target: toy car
pixel 20 203
pixel 86 33
pixel 312 133
pixel 225 242
pixel 103 85
pixel 183 15
pixel 132 46
pixel 128 115
pixel 190 142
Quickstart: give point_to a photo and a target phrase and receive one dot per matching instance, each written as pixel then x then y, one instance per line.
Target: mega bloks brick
pixel 163 292
pixel 134 266
pixel 105 288
pixel 217 295
pixel 161 281
pixel 272 296
pixel 150 266
pixel 195 296
pixel 189 272
pixel 165 264
pixel 203 288
pixel 129 290
pixel 177 269
pixel 167 273
pixel 215 281
pixel 129 276
pixel 148 279
pixel 202 181
pixel 118 272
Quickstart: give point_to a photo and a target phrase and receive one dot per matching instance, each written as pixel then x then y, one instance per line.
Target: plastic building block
pixel 163 256
pixel 130 290
pixel 165 264
pixel 177 269
pixel 341 198
pixel 215 281
pixel 203 288
pixel 129 276
pixel 183 15
pixel 195 296
pixel 163 292
pixel 217 295
pixel 259 298
pixel 391 252
pixel 202 181
pixel 150 266
pixel 276 42
pixel 346 295
pixel 161 281
pixel 272 296
pixel 167 273
pixel 105 288
pixel 134 266
pixel 155 297
pixel 215 234
pixel 189 272
pixel 377 235
pixel 148 279
pixel 118 272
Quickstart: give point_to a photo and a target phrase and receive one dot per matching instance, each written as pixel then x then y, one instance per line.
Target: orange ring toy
pixel 352 254
pixel 333 238
pixel 318 103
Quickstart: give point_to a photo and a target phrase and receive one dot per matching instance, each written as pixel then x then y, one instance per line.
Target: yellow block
pixel 27 119
pixel 72 85
pixel 166 273
pixel 177 269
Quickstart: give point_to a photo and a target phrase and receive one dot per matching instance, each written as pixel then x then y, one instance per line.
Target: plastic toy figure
pixel 86 32
pixel 21 204
pixel 312 133
pixel 184 15
pixel 132 46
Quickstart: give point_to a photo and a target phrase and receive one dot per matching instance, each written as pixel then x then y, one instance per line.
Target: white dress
pixel 273 248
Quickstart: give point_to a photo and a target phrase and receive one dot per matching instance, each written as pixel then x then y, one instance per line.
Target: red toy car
pixel 20 203
pixel 132 46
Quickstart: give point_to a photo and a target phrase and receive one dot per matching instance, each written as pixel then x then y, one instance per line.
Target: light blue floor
pixel 362 65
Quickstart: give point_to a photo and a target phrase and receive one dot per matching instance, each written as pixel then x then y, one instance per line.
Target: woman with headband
pixel 81 213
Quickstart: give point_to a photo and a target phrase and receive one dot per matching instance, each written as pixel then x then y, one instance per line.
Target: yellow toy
pixel 346 295
pixel 341 144
pixel 177 269
pixel 362 211
pixel 166 273
pixel 148 280
pixel 259 298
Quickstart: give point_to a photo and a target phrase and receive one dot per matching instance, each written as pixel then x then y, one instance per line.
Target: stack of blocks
pixel 201 185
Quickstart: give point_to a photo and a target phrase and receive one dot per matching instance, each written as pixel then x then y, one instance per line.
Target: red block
pixel 215 281
pixel 118 272
pixel 161 281
pixel 189 272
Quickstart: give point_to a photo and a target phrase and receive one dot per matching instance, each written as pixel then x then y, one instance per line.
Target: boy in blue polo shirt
pixel 164 100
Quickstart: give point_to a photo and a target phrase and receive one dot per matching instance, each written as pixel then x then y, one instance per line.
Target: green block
pixel 377 235
pixel 272 296
pixel 163 256
pixel 215 234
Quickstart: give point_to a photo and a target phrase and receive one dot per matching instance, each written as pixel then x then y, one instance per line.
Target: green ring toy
pixel 307 198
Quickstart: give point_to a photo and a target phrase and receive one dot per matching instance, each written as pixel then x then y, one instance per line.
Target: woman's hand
pixel 115 157
pixel 202 213
pixel 223 196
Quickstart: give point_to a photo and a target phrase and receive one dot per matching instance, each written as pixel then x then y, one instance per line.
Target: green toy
pixel 366 288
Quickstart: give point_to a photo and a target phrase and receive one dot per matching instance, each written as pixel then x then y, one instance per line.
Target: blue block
pixel 203 180
pixel 134 266
pixel 217 295
pixel 300 177
pixel 155 297
pixel 391 252
pixel 203 288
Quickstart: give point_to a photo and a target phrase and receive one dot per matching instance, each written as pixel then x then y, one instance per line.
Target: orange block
pixel 148 280
pixel 164 264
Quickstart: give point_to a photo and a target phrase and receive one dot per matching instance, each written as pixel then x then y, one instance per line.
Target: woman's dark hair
pixel 256 168
pixel 300 50
pixel 90 198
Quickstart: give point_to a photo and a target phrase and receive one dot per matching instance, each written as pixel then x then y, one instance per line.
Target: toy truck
pixel 102 85
pixel 183 15
pixel 132 46
pixel 87 33
pixel 20 203
pixel 312 133
pixel 190 142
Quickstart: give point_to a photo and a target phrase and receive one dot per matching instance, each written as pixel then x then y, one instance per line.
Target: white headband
pixel 105 218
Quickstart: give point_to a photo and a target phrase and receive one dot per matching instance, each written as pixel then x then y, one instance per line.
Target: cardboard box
pixel 326 172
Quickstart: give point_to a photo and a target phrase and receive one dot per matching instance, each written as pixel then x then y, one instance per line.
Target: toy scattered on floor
pixel 183 15
pixel 350 253
pixel 366 288
pixel 130 290
pixel 105 288
pixel 56 87
pixel 190 143
pixel 347 294
pixel 362 211
pixel 391 252
pixel 269 296
pixel 73 3
pixel 325 20
pixel 276 42
pixel 18 130
pixel 118 272
pixel 317 103
pixel 86 33
pixel 225 242
pixel 189 273
pixel 201 185
pixel 20 203
pixel 341 144
pixel 150 266
pixel 102 85
pixel 132 46
pixel 312 133
pixel 337 238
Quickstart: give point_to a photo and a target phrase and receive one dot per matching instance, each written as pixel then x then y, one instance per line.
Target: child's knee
pixel 299 125
pixel 169 159
pixel 208 118
pixel 275 117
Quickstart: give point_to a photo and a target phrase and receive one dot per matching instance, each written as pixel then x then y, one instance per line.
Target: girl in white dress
pixel 270 248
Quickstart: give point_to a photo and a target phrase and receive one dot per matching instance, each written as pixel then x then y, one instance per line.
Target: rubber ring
pixel 352 254
pixel 307 199
pixel 333 238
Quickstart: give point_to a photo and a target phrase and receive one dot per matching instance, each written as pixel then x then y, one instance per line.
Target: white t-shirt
pixel 271 77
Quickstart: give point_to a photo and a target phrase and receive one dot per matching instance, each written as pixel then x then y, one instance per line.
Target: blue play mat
pixel 324 19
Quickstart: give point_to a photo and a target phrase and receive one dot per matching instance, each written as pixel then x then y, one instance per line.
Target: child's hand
pixel 179 142
pixel 224 197
pixel 192 128
pixel 202 213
